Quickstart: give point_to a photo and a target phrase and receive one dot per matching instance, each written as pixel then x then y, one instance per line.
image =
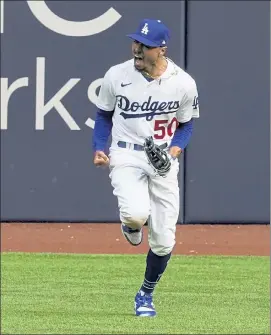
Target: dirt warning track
pixel 107 239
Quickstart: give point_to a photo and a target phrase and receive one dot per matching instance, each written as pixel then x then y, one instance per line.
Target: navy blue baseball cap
pixel 152 33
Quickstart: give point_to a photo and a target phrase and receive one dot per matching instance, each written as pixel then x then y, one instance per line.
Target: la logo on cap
pixel 145 29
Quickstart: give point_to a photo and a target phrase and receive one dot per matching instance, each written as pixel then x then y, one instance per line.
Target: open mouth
pixel 138 57
pixel 138 60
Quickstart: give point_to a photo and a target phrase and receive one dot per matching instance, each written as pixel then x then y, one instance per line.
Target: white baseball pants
pixel 142 196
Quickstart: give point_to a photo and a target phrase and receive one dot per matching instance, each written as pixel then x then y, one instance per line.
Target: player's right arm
pixel 103 122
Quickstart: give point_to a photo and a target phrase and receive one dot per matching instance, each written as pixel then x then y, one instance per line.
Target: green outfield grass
pixel 93 294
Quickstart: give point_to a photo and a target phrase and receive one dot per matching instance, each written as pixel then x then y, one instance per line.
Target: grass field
pixel 93 294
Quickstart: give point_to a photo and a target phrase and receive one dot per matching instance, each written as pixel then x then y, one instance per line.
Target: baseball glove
pixel 157 157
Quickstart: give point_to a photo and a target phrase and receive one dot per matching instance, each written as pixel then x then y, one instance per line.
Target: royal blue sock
pixel 155 267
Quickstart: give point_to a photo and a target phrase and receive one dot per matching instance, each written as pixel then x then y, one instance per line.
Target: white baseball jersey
pixel 145 108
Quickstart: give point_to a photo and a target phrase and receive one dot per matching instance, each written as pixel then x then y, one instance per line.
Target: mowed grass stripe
pixel 93 294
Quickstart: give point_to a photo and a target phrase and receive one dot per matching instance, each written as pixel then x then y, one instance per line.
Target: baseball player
pixel 146 96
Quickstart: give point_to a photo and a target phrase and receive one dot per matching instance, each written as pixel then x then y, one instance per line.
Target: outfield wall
pixel 52 64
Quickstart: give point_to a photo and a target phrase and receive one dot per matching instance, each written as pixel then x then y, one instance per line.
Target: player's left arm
pixel 188 111
pixel 181 138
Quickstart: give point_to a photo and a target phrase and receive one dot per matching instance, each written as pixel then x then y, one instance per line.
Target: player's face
pixel 144 56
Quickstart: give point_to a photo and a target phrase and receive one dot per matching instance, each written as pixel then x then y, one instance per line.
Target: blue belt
pixel 136 147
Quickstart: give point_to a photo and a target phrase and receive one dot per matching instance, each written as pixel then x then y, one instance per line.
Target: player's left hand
pixel 175 152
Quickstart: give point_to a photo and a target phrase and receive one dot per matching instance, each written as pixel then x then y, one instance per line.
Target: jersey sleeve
pixel 189 104
pixel 107 97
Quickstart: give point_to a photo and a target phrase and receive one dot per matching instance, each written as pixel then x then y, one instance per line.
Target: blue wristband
pixel 182 135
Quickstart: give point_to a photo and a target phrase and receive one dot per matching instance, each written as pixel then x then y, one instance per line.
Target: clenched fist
pixel 100 159
pixel 175 152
